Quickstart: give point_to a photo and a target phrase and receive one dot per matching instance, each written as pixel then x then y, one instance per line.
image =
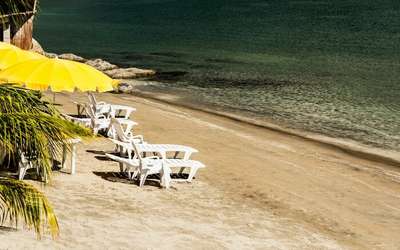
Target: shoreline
pixel 131 76
pixel 351 147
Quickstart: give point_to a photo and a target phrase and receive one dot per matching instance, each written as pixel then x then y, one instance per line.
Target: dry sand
pixel 261 190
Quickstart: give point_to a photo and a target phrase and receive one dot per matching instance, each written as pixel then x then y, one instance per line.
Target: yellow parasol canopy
pixel 6 45
pixel 57 75
pixel 10 55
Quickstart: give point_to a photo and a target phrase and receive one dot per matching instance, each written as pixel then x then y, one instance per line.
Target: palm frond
pixel 17 11
pixel 15 99
pixel 31 126
pixel 21 201
pixel 39 136
pixel 35 128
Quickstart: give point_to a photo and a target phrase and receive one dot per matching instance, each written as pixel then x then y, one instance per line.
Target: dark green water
pixel 331 67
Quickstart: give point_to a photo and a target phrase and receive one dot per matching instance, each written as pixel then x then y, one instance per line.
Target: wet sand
pixel 261 189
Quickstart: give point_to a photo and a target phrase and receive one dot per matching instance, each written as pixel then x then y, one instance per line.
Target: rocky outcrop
pixel 72 57
pixel 112 70
pixel 125 87
pixel 128 86
pixel 36 47
pixel 101 64
pixel 129 73
pixel 50 55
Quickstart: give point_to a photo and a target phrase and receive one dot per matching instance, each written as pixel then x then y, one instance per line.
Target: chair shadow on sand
pixel 152 180
pixel 96 152
pixel 5 229
pixel 100 155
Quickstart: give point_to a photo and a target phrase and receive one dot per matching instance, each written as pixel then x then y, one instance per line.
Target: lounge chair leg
pixel 129 173
pixel 135 174
pixel 191 174
pixel 167 184
pixel 73 159
pixel 64 157
pixel 95 131
pixel 121 168
pixel 143 178
pixel 165 177
pixel 22 171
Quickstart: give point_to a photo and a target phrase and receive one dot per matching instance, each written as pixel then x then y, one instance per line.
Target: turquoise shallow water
pixel 331 67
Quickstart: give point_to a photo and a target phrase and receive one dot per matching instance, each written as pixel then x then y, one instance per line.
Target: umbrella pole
pixel 54 98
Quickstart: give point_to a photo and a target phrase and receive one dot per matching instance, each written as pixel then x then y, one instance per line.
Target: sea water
pixel 331 67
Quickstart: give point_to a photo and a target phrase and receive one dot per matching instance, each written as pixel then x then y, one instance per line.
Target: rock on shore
pixel 112 70
pixel 101 64
pixel 129 73
pixel 72 57
pixel 50 55
pixel 36 47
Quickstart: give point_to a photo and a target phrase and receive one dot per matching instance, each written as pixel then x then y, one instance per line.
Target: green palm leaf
pixel 9 9
pixel 35 128
pixel 39 136
pixel 21 201
pixel 31 126
pixel 16 99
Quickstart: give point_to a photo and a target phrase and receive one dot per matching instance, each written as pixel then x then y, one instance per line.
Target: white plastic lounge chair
pixel 100 121
pixel 23 165
pixel 113 109
pixel 162 150
pixel 144 166
pixel 182 164
pixel 121 130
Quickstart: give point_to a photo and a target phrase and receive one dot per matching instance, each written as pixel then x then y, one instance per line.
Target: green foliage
pixel 13 7
pixel 35 128
pixel 31 126
pixel 21 200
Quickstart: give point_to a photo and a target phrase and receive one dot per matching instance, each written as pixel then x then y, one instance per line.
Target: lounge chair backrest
pixel 138 154
pixel 92 99
pixel 89 110
pixel 99 107
pixel 117 130
pixel 92 114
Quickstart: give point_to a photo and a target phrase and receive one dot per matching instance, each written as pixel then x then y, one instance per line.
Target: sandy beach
pixel 262 189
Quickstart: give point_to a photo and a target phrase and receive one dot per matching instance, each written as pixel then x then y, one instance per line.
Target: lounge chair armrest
pixel 79 103
pixel 151 158
pixel 126 145
pixel 128 123
pixel 128 110
pixel 67 117
pixel 101 116
pixel 123 107
pixel 187 155
pixel 80 107
pixel 187 151
pixel 140 137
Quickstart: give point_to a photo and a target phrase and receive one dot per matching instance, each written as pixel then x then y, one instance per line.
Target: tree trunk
pixel 22 36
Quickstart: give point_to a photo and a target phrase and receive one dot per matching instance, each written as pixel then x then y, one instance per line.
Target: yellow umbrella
pixel 10 55
pixel 57 75
pixel 6 45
